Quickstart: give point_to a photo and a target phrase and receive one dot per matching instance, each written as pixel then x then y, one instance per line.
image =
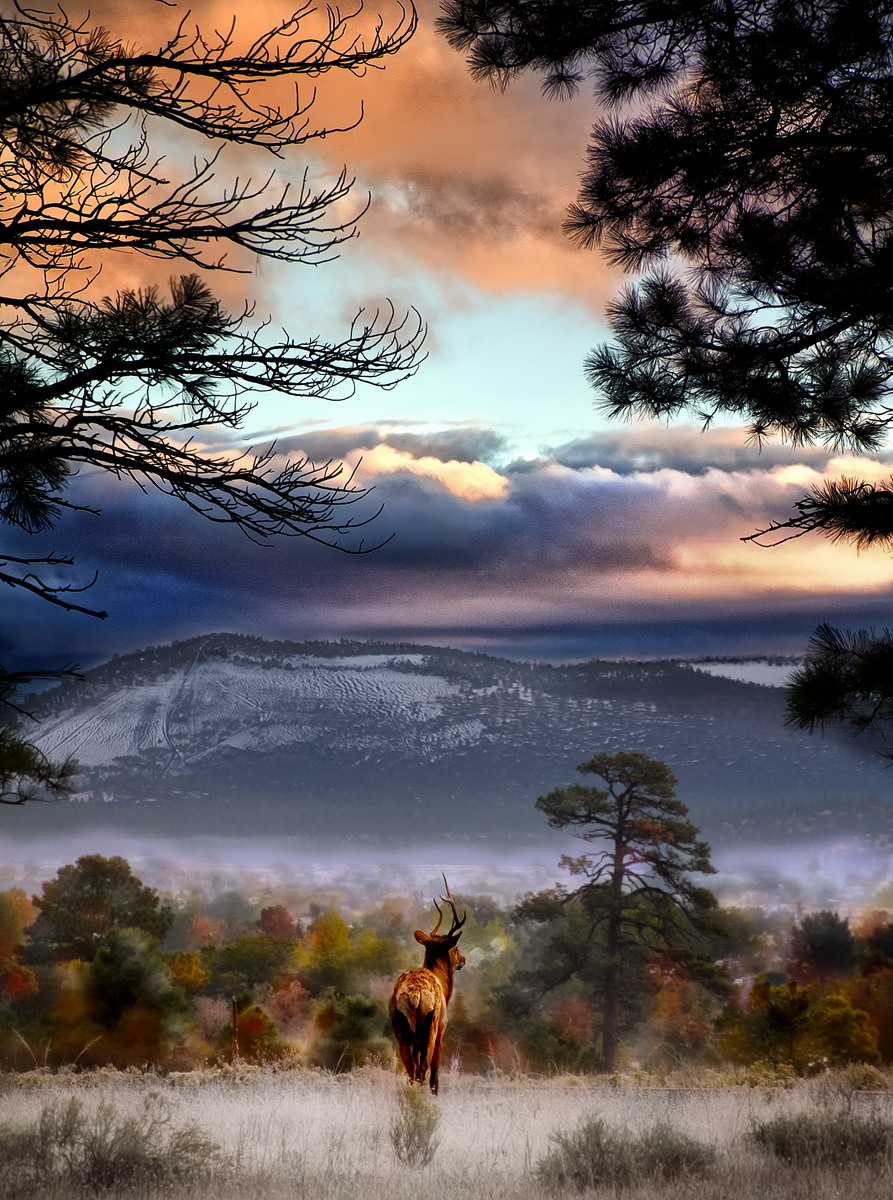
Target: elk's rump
pixel 417 994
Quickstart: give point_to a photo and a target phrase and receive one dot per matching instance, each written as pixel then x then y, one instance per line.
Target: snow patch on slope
pixel 212 705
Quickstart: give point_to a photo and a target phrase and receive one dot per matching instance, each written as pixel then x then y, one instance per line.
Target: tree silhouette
pixel 751 179
pixel 822 945
pixel 125 383
pixel 25 772
pixel 637 892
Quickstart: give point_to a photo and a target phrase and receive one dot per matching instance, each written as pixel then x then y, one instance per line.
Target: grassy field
pixel 301 1134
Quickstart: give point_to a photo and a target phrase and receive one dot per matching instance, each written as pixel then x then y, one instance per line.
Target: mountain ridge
pixel 389 741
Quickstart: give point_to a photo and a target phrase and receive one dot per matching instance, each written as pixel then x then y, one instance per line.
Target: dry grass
pixel 311 1136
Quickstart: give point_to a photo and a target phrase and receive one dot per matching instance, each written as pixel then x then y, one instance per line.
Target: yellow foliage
pixel 187 971
pixel 16 914
pixel 329 935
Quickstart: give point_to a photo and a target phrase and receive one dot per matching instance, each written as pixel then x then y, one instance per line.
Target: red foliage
pixel 276 922
pixel 288 1003
pixel 17 982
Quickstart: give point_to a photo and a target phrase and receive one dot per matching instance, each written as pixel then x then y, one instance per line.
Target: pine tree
pixel 750 179
pixel 637 893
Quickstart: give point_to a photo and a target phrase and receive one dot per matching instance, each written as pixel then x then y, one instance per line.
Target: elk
pixel 418 1006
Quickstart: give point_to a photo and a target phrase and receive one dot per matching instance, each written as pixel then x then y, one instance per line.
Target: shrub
pixel 257 1037
pixel 351 1032
pixel 100 1151
pixel 595 1155
pixel 413 1131
pixel 828 1139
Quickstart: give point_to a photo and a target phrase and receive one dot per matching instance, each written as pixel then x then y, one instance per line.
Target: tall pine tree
pixel 749 184
pixel 637 893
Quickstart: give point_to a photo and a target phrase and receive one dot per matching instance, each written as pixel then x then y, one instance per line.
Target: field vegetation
pixel 234 1045
pixel 272 1132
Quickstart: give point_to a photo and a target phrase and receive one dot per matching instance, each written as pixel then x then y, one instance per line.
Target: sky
pixel 520 521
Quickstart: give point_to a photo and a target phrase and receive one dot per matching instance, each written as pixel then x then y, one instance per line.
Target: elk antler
pixel 448 899
pixel 439 918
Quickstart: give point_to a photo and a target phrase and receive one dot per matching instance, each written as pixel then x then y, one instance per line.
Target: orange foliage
pixel 205 931
pixel 872 992
pixel 256 1035
pixel 17 982
pixel 574 1021
pixel 682 1012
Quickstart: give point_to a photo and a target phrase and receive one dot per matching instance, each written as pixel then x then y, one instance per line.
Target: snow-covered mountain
pixel 393 741
pixel 201 711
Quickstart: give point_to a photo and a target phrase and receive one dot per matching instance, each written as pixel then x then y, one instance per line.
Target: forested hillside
pixel 399 741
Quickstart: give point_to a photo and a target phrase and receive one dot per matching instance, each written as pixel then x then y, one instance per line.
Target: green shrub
pixel 413 1131
pixel 823 1138
pixel 351 1031
pixel 101 1151
pixel 595 1155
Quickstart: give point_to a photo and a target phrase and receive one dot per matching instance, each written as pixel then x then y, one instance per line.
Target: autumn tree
pixel 127 383
pixel 797 1027
pixel 636 892
pixel 132 994
pixel 17 981
pixel 85 901
pixel 16 914
pixel 276 922
pixel 742 169
pixel 187 971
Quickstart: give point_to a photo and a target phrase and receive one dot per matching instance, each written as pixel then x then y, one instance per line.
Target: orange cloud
pixel 465 181
pixel 473 481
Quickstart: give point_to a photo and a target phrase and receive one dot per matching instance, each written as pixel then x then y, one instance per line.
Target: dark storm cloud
pixel 683 448
pixel 548 557
pixel 466 443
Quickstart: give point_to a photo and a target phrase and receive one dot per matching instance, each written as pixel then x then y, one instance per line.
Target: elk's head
pixel 442 948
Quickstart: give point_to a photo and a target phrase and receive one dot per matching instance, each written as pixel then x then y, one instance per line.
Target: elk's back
pixel 416 994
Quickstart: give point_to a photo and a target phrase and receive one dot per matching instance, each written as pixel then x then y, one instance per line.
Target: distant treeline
pixel 100 969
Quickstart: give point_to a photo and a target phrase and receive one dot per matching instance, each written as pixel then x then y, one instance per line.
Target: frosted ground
pixel 306 1135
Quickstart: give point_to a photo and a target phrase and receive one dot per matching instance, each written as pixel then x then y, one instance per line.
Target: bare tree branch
pixel 126 384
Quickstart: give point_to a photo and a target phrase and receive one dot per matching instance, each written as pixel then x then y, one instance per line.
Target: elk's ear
pixel 421 936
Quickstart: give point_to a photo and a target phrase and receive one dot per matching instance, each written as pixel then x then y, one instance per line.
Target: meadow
pixel 253 1132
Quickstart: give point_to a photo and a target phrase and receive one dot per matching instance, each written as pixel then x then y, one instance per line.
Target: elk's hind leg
pixel 435 1060
pixel 405 1044
pixel 422 1047
pixel 432 1033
